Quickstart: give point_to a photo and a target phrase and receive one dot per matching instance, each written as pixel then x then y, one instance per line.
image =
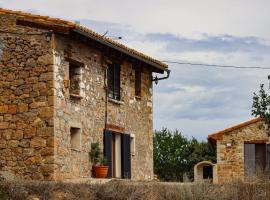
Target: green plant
pixel 103 160
pixel 261 106
pixel 96 156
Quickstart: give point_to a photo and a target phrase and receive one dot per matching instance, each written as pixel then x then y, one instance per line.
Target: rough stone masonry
pixel 38 111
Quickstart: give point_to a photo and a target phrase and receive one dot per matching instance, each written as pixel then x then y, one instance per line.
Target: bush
pixel 175 155
pixel 131 190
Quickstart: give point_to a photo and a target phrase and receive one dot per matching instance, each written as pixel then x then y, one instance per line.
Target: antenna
pixel 105 33
pixel 112 37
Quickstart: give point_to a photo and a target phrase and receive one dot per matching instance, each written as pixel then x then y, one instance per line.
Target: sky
pixel 197 100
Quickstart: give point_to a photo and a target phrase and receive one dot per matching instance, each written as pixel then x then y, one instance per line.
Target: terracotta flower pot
pixel 100 171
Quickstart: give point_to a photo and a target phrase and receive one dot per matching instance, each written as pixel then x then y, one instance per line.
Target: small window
pixel 207 172
pixel 75 79
pixel 138 83
pixel 75 138
pixel 132 144
pixel 113 81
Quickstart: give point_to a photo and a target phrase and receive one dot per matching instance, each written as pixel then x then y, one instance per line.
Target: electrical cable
pixel 213 65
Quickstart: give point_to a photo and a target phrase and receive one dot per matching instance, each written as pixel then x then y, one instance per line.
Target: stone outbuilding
pixel 242 151
pixel 205 171
pixel 63 87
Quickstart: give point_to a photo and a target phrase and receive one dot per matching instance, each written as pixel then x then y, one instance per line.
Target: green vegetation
pixel 175 155
pixel 132 190
pixel 96 155
pixel 261 105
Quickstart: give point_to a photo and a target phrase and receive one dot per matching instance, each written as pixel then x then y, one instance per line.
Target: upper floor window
pixel 113 81
pixel 138 83
pixel 75 78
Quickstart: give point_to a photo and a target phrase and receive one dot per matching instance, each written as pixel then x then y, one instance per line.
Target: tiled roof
pixel 88 32
pixel 218 135
pixel 38 17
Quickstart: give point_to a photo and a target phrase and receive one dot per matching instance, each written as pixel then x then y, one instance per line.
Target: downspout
pixel 106 95
pixel 156 79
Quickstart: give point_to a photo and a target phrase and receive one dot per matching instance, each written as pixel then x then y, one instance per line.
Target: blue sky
pixel 196 100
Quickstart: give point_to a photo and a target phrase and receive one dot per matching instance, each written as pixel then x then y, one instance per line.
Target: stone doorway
pixel 205 171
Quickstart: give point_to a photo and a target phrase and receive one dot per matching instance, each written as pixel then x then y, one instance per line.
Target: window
pixel 114 81
pixel 75 138
pixel 74 79
pixel 207 172
pixel 138 82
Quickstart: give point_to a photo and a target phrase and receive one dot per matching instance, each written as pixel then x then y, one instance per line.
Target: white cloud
pixel 187 17
pixel 196 100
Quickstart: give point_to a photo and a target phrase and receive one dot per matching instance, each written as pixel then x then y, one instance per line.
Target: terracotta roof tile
pixel 89 32
pixel 218 135
pixel 37 17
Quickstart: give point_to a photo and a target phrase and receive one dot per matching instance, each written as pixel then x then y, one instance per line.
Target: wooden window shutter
pixel 107 140
pixel 126 156
pixel 249 158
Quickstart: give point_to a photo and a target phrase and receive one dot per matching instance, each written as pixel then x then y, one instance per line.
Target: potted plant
pixel 99 162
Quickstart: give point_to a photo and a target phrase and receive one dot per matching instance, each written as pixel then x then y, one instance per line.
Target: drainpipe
pixel 156 79
pixel 106 95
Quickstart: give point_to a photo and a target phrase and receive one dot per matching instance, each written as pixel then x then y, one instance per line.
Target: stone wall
pixel 26 106
pixel 37 110
pixel 87 112
pixel 230 160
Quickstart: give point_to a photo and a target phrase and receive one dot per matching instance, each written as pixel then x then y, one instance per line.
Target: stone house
pixel 63 87
pixel 242 151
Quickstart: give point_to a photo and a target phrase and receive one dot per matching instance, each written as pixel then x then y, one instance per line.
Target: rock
pixel 4 109
pixel 8 176
pixel 45 60
pixel 31 62
pixel 4 125
pixel 22 107
pixel 37 142
pixel 12 109
pixel 46 112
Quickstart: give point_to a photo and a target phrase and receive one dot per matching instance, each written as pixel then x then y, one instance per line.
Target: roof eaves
pixel 120 47
pixel 218 135
pixel 60 24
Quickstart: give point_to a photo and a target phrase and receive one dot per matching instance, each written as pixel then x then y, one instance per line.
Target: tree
pixel 199 151
pixel 261 105
pixel 175 155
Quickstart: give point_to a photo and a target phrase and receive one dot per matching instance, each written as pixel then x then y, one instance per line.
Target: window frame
pixel 114 85
pixel 75 65
pixel 75 134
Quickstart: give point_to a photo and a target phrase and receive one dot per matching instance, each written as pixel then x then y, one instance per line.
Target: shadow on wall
pixel 1 48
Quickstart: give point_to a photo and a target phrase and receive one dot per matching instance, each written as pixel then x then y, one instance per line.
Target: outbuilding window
pixel 113 81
